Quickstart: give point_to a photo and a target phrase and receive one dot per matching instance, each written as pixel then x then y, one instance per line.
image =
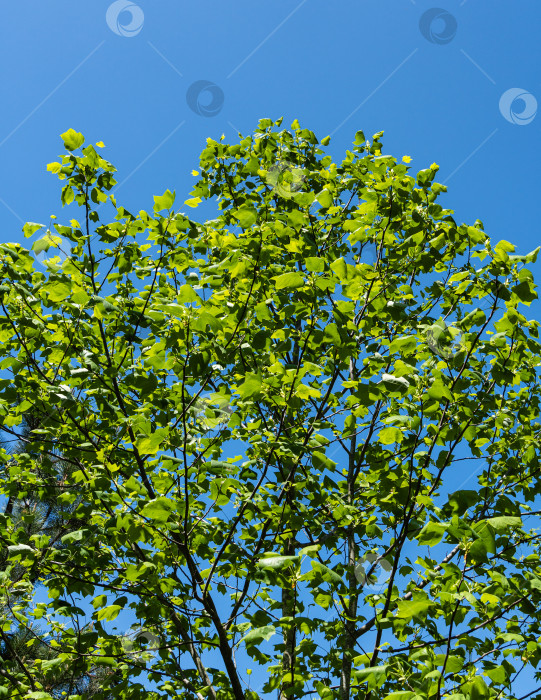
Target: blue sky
pixel 337 67
pixel 456 83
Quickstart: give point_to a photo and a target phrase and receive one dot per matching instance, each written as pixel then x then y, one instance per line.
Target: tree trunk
pixel 289 637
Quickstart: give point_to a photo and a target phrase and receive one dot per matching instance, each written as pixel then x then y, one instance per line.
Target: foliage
pixel 269 418
pixel 37 516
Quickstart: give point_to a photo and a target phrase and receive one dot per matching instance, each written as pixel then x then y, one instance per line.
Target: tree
pixel 24 644
pixel 269 429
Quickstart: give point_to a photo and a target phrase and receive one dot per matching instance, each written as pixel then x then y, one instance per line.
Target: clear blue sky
pixel 63 66
pixel 124 77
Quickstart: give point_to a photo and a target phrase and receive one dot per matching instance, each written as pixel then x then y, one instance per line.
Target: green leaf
pixel 68 195
pixel 45 243
pixel 479 690
pixel 388 436
pixel 310 551
pixel 20 549
pixel 151 444
pixel 205 319
pixel 187 295
pixel 395 384
pixel 452 662
pixel 278 562
pixel 108 661
pixel 404 345
pixel 504 247
pixel 413 608
pixel 485 533
pixel 340 268
pixel 529 257
pixel 258 635
pixel 524 291
pixel 251 386
pixel 72 139
pixel 324 198
pixel 432 533
pixel 109 613
pixel 290 280
pixel 498 674
pixel 376 672
pixel 158 509
pixel 321 461
pixel 331 334
pixel 438 390
pixel 30 228
pixel 320 572
pixel 504 523
pixel 246 216
pixel 166 201
pixel 57 291
pixel 135 572
pixel 75 536
pixel 99 601
pixel 460 501
pixel 296 219
pixel 314 264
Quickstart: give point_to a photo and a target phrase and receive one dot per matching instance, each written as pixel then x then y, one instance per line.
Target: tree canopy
pixel 298 436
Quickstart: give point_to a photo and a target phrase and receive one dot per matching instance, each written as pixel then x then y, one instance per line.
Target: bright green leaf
pixel 290 280
pixel 72 139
